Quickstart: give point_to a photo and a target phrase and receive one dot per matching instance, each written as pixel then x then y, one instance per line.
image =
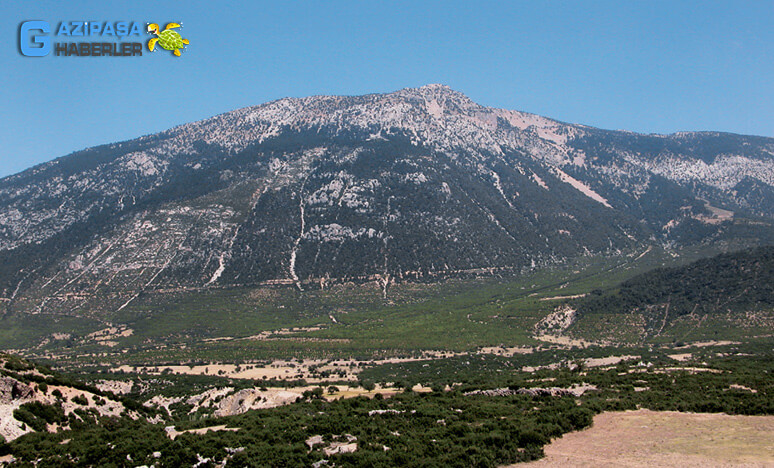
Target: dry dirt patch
pixel 565 340
pixel 506 350
pixel 346 369
pixel 280 369
pixel 682 357
pixel 705 344
pixel 646 438
pixel 172 433
pixel 556 298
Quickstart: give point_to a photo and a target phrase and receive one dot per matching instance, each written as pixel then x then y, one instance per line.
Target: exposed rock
pixel 119 387
pixel 339 447
pixel 313 441
pixel 253 398
pixel 341 444
pixel 11 390
pixel 384 411
pixel 577 390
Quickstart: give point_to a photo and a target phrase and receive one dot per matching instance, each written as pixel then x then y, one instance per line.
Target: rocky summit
pixel 422 183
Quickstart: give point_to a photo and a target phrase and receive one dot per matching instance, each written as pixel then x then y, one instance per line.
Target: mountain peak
pixel 436 87
pixel 437 91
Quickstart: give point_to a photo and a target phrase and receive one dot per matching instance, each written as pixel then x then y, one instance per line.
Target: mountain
pixel 419 183
pixel 728 291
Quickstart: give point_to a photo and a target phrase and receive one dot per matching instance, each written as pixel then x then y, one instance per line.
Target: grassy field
pixel 346 320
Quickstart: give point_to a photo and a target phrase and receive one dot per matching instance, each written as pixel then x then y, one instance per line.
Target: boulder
pixel 11 390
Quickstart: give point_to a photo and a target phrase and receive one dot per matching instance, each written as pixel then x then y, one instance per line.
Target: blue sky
pixel 655 66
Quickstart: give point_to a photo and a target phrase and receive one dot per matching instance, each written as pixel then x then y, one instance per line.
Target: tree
pixel 367 385
pixel 5 449
pixel 438 387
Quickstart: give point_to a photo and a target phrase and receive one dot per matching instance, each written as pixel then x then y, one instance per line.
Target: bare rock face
pixel 11 390
pixel 238 403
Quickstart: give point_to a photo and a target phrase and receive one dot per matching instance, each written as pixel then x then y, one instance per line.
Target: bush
pixel 367 385
pixel 313 394
pixel 438 387
pixel 36 415
pixel 531 437
pixel 81 400
pixel 580 418
pixel 5 449
pixel 29 419
pixel 15 364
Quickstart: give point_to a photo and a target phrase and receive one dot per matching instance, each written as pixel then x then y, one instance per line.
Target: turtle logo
pixel 167 39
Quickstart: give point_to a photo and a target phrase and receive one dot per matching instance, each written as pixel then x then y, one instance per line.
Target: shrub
pixel 367 385
pixel 37 414
pixel 21 414
pixel 81 400
pixel 5 449
pixel 531 437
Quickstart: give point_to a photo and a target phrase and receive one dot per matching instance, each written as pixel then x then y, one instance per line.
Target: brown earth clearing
pixel 647 438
